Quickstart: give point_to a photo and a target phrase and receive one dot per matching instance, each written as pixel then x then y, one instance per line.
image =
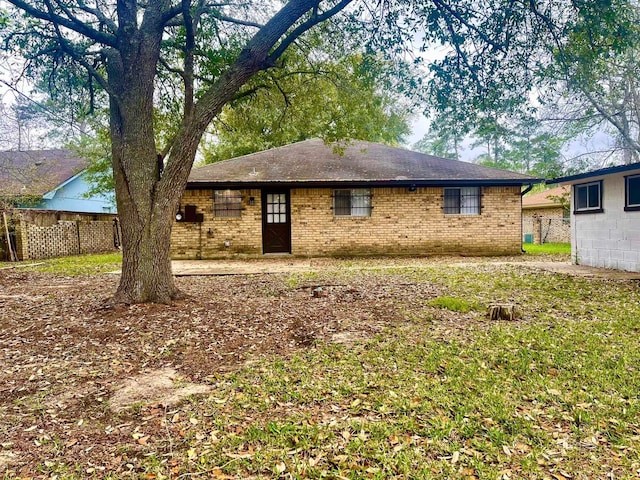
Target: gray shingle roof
pixel 36 172
pixel 311 162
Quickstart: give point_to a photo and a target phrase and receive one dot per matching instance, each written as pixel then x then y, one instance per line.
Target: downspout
pixel 522 194
pixel 526 190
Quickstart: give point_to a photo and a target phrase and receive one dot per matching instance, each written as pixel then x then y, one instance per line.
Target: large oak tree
pixel 125 46
pixel 197 55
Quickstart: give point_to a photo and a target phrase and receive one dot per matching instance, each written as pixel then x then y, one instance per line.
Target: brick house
pixel 546 203
pixel 605 217
pixel 545 216
pixel 309 198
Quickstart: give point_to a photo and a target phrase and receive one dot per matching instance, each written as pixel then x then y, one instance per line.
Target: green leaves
pixel 569 67
pixel 314 93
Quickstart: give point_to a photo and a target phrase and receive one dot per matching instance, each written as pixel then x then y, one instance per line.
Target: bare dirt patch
pixel 105 388
pixel 159 387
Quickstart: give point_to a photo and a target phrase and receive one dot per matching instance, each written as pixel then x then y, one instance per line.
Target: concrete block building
pixel 605 217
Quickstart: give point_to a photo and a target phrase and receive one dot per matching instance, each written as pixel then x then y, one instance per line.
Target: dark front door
pixel 276 221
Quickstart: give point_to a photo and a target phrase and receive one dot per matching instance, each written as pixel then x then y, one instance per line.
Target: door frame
pixel 287 225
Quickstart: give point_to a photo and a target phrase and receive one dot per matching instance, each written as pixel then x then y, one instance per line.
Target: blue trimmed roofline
pixel 51 193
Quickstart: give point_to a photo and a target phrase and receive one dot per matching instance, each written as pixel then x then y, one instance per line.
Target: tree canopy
pixel 571 71
pixel 334 98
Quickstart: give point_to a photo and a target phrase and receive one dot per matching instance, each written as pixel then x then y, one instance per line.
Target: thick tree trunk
pixel 146 263
pixel 146 223
pixel 146 215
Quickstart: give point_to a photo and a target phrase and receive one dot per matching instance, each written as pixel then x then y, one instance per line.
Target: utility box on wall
pixel 190 215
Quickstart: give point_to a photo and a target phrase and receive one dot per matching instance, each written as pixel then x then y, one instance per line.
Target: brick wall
pixel 553 212
pixel 57 240
pixel 401 222
pixel 555 230
pixel 406 222
pixel 547 225
pixel 96 237
pixel 207 240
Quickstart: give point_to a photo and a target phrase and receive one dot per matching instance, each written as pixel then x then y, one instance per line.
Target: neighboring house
pixel 50 212
pixel 309 198
pixel 49 180
pixel 605 217
pixel 545 216
pixel 547 203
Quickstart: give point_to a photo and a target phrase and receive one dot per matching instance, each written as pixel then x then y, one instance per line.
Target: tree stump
pixel 318 292
pixel 502 311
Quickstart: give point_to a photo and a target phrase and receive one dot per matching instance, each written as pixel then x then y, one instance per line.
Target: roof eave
pixel 51 193
pixel 542 205
pixel 595 173
pixel 194 185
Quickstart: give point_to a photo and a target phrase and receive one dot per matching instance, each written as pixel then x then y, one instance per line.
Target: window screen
pixel 227 203
pixel 462 201
pixel 354 202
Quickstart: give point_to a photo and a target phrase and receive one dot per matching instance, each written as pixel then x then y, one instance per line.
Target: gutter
pixel 526 190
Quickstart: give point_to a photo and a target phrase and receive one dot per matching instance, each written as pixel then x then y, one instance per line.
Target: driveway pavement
pixel 183 268
pixel 290 265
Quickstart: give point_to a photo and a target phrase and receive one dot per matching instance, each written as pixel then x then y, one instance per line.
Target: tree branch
pixel 314 20
pixel 171 13
pixel 253 58
pixel 127 12
pixel 72 23
pixel 67 47
pixel 440 5
pixel 624 133
pixel 102 18
pixel 236 21
pixel 189 47
pixel 171 69
pixel 461 54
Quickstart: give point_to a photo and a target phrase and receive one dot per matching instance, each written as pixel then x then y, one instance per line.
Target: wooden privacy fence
pixel 32 240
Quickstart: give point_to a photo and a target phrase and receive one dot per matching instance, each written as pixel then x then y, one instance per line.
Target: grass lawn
pixel 547 249
pixel 73 265
pixel 553 396
pixel 436 391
